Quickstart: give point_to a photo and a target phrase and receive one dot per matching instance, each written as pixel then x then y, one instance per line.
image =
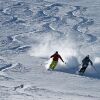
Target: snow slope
pixel 32 30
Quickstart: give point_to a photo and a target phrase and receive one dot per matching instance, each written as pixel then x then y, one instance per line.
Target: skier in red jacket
pixel 54 62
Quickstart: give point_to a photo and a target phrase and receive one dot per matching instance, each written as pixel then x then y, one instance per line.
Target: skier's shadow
pixel 94 72
pixel 74 71
pixel 72 66
pixel 67 70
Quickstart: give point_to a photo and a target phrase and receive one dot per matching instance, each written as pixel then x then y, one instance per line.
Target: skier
pixel 54 62
pixel 85 63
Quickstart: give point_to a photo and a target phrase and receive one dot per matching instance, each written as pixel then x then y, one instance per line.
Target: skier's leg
pixel 84 69
pixel 81 70
pixel 54 64
pixel 51 65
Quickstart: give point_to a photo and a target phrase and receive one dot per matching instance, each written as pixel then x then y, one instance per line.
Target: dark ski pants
pixel 82 70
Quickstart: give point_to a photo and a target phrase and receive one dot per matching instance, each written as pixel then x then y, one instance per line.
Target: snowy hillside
pixel 31 31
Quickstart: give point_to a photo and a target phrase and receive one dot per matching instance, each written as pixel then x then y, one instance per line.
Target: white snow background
pixel 31 31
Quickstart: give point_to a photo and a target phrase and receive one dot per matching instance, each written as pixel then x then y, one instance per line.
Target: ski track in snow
pixel 84 23
pixel 44 16
pixel 36 92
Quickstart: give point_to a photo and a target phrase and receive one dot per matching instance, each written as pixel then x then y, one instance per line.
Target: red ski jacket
pixel 56 57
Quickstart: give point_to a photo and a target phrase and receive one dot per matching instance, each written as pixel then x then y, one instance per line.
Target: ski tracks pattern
pixel 20 19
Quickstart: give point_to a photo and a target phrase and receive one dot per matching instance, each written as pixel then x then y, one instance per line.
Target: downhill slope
pixel 40 84
pixel 32 30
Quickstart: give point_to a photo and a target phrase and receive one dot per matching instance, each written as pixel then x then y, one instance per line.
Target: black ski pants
pixel 82 70
pixel 84 66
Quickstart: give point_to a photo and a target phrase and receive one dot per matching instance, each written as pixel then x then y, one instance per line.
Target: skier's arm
pixel 61 58
pixel 91 63
pixel 51 56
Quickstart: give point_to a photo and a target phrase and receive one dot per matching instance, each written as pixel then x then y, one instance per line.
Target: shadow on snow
pixel 73 67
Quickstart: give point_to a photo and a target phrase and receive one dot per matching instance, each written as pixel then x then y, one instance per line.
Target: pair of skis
pixel 81 73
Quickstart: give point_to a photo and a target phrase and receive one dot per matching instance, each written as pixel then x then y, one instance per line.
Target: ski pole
pixel 65 63
pixel 94 68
